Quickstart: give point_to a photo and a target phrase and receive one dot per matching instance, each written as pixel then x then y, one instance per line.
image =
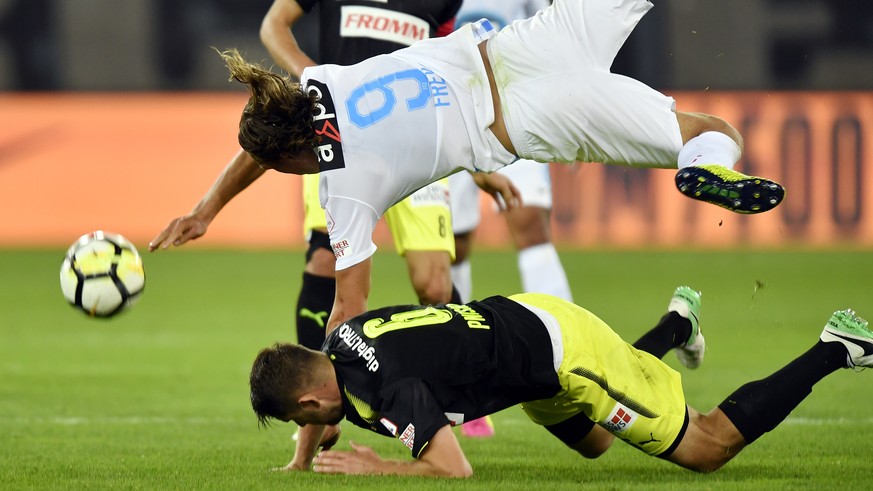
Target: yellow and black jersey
pixel 408 371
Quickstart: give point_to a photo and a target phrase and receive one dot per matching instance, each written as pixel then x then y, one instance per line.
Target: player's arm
pixel 442 457
pixel 239 173
pixel 499 187
pixel 277 37
pixel 352 290
pixel 309 439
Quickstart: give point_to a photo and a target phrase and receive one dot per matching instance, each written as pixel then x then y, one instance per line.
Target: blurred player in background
pixel 421 225
pixel 529 224
pixel 570 372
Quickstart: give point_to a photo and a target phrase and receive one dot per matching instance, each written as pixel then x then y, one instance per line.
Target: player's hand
pixel 292 466
pixel 329 438
pixel 500 188
pixel 179 231
pixel 360 460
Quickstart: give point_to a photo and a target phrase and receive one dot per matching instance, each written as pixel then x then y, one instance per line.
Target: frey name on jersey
pixel 384 25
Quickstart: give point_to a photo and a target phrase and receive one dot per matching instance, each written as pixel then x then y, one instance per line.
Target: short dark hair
pixel 280 374
pixel 278 116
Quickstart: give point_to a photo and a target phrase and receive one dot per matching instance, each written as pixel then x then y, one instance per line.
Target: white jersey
pixel 500 12
pixel 395 123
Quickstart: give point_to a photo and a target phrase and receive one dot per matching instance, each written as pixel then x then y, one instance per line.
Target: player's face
pixel 325 414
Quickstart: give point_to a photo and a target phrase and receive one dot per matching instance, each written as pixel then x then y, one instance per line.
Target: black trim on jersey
pixel 678 440
pixel 330 151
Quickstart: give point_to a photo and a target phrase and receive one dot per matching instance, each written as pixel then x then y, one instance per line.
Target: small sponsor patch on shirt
pixel 621 419
pixel 408 436
pixel 455 419
pixel 390 426
pixel 434 194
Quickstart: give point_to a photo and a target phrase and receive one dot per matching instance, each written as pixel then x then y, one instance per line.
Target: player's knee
pixel 321 263
pixel 433 290
pixel 463 245
pixel 706 464
pixel 593 449
pixel 529 226
pixel 582 435
pixel 430 273
pixel 694 124
pixel 709 442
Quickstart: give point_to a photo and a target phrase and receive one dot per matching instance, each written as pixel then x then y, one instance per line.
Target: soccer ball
pixel 102 274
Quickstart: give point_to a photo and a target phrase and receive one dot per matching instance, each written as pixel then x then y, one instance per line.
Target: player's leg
pixel 609 388
pixel 706 161
pixel 678 329
pixel 715 438
pixel 318 288
pixel 616 119
pixel 430 273
pixel 465 218
pixel 421 226
pixel 530 227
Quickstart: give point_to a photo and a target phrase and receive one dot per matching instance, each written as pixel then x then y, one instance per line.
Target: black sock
pixel 760 406
pixel 313 309
pixel 672 330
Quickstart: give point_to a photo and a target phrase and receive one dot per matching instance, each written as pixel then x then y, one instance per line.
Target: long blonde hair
pixel 278 116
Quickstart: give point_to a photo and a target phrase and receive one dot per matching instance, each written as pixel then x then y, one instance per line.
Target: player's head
pixel 277 120
pixel 290 382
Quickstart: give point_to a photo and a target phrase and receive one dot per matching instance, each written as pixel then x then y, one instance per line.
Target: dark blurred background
pixel 145 45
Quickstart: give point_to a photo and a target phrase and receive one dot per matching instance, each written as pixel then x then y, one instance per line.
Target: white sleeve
pixel 350 224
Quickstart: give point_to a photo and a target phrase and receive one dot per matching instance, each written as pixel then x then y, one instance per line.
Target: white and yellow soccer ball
pixel 102 274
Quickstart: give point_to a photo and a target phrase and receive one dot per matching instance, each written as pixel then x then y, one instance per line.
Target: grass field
pixel 157 398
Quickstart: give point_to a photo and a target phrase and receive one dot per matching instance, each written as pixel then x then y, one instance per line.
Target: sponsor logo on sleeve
pixel 621 419
pixel 384 25
pixel 408 436
pixel 330 149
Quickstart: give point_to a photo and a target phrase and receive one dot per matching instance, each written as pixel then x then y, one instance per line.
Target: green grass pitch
pixel 157 398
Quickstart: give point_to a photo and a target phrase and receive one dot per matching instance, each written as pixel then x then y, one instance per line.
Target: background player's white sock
pixel 542 272
pixel 462 277
pixel 710 147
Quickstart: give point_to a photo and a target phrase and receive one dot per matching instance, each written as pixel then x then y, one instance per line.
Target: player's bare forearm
pixel 238 175
pixel 352 290
pixel 309 439
pixel 442 457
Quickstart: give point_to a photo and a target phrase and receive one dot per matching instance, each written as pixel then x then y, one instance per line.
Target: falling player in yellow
pixel 413 372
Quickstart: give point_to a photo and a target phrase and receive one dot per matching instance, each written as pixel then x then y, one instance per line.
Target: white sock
pixel 710 147
pixel 542 272
pixel 462 277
